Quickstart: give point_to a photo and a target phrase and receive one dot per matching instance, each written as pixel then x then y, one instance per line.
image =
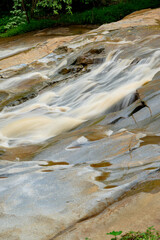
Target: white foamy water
pixel 37 129
pixel 76 101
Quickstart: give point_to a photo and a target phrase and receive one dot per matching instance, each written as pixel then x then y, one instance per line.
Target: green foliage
pixel 28 27
pixel 3 23
pixel 115 234
pixel 17 24
pixel 149 234
pixel 18 16
pixel 108 14
pixel 55 5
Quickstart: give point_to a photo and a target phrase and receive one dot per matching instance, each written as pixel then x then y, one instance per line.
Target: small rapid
pixel 108 86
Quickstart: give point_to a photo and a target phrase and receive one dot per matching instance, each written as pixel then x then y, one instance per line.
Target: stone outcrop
pixel 80 135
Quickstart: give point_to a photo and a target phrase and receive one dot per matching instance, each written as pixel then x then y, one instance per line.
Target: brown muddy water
pixel 79 126
pixel 31 46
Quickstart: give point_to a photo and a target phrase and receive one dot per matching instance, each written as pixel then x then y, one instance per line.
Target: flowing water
pixel 69 144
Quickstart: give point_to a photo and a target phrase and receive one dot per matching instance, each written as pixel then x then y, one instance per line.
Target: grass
pixel 149 234
pixel 33 25
pixel 94 16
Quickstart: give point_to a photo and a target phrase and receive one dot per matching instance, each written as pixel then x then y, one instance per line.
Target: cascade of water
pixel 110 85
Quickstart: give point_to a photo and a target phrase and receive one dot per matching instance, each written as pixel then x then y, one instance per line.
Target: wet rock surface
pixel 133 212
pixel 80 136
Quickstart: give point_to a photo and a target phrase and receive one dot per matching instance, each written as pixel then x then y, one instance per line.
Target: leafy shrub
pixel 18 16
pixel 13 26
pixel 149 234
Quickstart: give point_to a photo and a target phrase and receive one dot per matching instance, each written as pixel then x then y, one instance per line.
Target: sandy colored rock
pixel 147 17
pixel 135 213
pixel 34 53
pixel 28 47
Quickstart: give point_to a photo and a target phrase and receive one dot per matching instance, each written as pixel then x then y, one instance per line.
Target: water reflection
pixel 47 171
pixel 103 176
pixel 101 164
pixel 110 186
pixel 150 140
pixel 51 163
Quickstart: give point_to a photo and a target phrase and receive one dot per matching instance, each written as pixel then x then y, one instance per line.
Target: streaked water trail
pixel 77 100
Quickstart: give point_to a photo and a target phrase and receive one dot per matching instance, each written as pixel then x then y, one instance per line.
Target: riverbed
pixel 79 129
